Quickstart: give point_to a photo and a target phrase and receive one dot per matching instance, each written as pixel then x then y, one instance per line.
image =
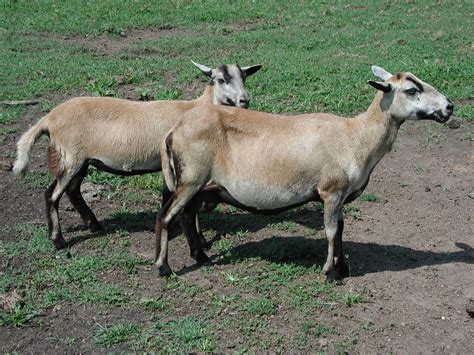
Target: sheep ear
pixel 205 70
pixel 385 87
pixel 251 70
pixel 381 72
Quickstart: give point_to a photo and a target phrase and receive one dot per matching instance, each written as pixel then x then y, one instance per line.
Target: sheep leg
pixel 166 195
pixel 52 196
pixel 73 192
pixel 334 225
pixel 190 223
pixel 174 205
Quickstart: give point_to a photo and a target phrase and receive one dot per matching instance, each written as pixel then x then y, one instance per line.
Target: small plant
pixel 20 316
pixel 143 94
pixel 353 210
pixel 102 87
pixel 259 306
pixel 351 298
pixel 168 94
pixel 153 304
pixel 285 226
pixel 187 334
pixel 242 234
pixel 11 114
pixel 39 180
pixel 231 278
pixel 152 182
pixel 224 245
pixel 107 336
pixel 369 197
pixel 4 132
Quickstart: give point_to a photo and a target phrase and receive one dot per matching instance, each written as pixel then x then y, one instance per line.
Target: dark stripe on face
pixel 225 72
pixel 418 85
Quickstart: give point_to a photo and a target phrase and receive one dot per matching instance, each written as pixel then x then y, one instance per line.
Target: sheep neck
pixel 377 131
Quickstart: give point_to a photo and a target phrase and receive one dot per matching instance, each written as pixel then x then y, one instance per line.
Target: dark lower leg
pixel 161 238
pixel 339 262
pixel 193 237
pixel 74 194
pixel 52 216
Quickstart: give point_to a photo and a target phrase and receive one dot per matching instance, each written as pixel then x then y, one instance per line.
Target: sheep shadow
pixel 362 258
pixel 221 222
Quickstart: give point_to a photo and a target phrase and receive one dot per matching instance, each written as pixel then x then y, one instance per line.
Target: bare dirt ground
pixel 412 251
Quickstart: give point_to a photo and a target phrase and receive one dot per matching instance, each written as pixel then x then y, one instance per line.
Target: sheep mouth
pixel 437 116
pixel 229 102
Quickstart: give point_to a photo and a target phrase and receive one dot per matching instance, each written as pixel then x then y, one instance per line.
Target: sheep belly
pixel 269 197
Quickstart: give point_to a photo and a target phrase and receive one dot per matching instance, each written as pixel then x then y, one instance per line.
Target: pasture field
pixel 408 239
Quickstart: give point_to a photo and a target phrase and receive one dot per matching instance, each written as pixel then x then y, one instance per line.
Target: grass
pixel 106 336
pixel 329 64
pixel 316 57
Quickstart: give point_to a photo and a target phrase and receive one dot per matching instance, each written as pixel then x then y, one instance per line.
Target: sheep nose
pixel 450 106
pixel 244 103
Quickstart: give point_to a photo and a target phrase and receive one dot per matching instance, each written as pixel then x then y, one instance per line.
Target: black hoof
pixel 201 257
pixel 60 243
pixel 165 270
pixel 334 276
pixel 95 227
pixel 343 270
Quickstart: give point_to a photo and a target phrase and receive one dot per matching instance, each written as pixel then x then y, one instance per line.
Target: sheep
pixel 114 135
pixel 265 163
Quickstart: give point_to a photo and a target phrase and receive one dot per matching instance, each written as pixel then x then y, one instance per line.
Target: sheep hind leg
pixel 174 205
pixel 52 196
pixel 190 223
pixel 73 192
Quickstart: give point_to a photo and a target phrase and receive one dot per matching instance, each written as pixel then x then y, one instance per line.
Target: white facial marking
pixel 229 86
pixel 415 100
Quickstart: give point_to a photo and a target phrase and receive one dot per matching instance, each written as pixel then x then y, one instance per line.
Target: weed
pixel 104 178
pixel 187 334
pixel 240 234
pixel 258 306
pixel 11 114
pixel 152 304
pixel 369 197
pixel 106 336
pixel 353 210
pixel 4 132
pixel 285 226
pixel 39 180
pixel 20 316
pixel 153 182
pixel 352 298
pixel 102 87
pixel 143 94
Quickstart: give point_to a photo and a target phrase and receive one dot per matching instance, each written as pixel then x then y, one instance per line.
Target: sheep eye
pixel 221 81
pixel 411 91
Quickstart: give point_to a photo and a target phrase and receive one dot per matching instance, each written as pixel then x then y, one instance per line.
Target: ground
pixel 408 242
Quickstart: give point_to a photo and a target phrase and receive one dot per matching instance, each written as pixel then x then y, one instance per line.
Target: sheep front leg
pixel 334 268
pixel 175 204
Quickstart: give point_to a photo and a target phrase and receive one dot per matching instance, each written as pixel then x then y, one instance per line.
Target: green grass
pixel 369 197
pixel 316 62
pixel 106 336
